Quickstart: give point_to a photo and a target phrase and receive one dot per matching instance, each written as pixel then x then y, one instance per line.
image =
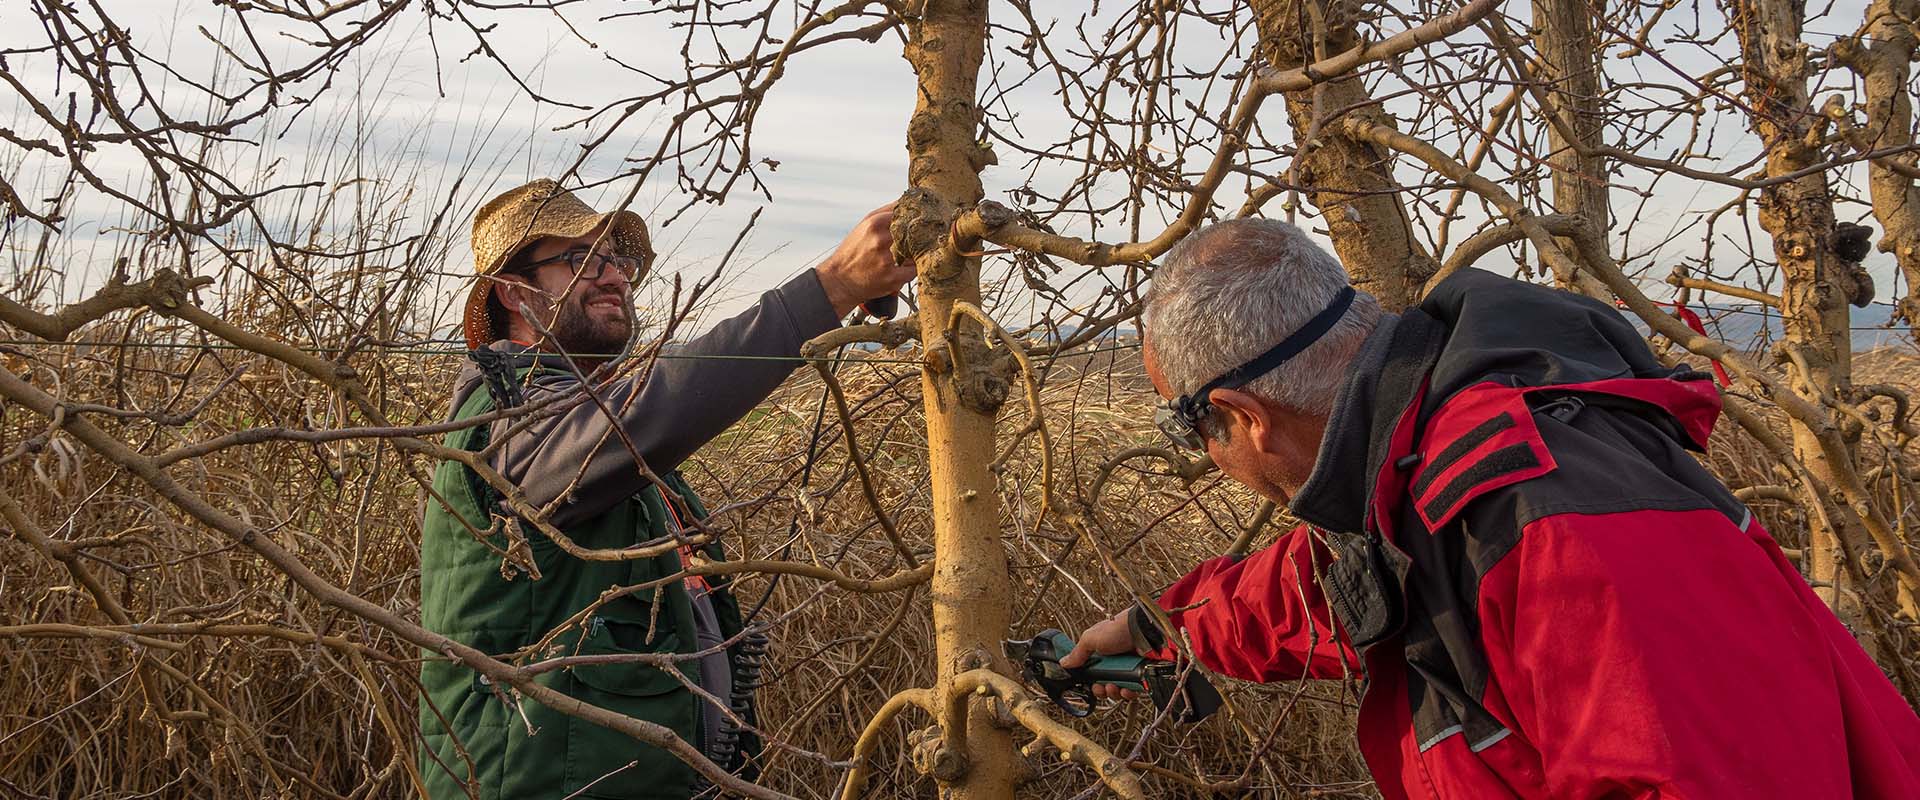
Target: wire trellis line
pixel 429 351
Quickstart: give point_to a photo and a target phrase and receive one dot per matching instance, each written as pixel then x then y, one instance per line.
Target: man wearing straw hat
pixel 552 302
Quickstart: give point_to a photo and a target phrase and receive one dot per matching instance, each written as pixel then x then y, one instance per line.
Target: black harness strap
pixel 497 368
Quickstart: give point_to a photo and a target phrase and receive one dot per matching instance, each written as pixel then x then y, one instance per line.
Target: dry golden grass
pixel 76 725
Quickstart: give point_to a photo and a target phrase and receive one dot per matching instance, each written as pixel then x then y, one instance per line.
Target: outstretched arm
pixel 685 402
pixel 1261 618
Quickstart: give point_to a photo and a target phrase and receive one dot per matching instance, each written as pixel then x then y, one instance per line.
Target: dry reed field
pixel 335 721
pixel 329 720
pixel 232 266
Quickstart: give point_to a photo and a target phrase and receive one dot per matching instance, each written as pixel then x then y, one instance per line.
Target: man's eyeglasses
pixel 589 265
pixel 1180 418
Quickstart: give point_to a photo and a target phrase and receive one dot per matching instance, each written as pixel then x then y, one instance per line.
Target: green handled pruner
pixel 1188 697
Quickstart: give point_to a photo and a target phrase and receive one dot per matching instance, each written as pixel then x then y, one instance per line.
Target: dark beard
pixel 575 333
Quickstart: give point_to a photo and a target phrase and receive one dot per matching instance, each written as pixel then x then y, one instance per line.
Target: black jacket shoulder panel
pixel 1610 461
pixel 1523 334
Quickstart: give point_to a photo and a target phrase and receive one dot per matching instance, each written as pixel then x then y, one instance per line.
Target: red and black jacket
pixel 1548 594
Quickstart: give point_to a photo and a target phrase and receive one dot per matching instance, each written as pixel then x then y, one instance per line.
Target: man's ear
pixel 511 291
pixel 1245 415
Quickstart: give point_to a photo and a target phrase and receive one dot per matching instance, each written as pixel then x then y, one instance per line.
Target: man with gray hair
pixel 1504 534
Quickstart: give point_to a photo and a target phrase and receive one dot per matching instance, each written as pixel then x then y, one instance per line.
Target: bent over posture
pixel 553 301
pixel 1505 534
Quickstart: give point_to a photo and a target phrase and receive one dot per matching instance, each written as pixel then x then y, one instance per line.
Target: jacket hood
pixel 507 357
pixel 1475 327
pixel 1523 334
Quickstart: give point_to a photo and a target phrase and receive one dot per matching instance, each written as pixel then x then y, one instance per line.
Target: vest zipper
pixel 700 719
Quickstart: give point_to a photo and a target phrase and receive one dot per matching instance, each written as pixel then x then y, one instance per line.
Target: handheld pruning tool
pixel 1188 697
pixel 882 307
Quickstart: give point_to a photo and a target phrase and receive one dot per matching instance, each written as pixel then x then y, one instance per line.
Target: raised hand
pixel 862 267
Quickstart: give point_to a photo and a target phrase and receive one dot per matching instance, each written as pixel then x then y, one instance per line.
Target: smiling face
pixel 584 311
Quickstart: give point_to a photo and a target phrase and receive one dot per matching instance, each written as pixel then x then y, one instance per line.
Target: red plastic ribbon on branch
pixel 1692 320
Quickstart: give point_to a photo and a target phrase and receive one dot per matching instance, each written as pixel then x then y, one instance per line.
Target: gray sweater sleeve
pixel 676 409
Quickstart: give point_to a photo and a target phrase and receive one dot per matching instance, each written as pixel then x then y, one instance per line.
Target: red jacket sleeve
pixel 1261 618
pixel 1646 653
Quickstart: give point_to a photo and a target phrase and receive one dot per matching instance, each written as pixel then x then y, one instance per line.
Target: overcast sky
pixel 836 125
pixel 416 111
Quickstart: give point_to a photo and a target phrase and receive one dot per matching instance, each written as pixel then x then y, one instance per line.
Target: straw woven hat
pixel 519 217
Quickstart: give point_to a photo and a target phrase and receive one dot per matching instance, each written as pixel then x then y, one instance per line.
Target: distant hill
pixel 1754 326
pixel 1749 327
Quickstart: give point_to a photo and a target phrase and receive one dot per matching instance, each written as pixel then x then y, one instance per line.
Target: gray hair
pixel 1231 291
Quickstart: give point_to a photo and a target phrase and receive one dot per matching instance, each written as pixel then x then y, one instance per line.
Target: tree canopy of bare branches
pixel 226 356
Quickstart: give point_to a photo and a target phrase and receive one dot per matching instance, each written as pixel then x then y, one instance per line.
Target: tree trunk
pixel 1815 284
pixel 1349 180
pixel 970 582
pixel 1879 54
pixel 1563 33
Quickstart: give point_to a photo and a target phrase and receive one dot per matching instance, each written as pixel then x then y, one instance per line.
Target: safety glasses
pixel 1180 417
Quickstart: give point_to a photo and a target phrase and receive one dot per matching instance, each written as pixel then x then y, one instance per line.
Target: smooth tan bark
pixel 970 581
pixel 1798 215
pixel 1881 54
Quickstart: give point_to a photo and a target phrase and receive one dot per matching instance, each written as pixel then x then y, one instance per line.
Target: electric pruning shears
pixel 1185 694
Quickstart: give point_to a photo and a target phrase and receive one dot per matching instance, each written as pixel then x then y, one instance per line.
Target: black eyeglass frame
pixel 1180 417
pixel 577 260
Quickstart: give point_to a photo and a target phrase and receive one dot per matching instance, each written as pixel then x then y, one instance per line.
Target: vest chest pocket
pixel 1365 586
pixel 617 635
pixel 605 763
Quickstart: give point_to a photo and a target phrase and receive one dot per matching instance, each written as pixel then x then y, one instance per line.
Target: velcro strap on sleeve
pixel 1482 440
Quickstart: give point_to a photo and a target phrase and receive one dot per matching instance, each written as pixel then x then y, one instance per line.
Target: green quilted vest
pixel 465 595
